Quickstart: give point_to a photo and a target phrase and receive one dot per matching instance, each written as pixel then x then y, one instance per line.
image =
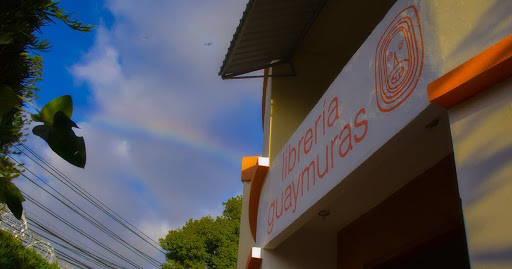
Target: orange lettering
pixel 358 124
pixel 333 111
pixel 308 141
pixel 333 141
pixel 316 127
pixel 306 170
pixel 288 198
pixel 270 218
pixel 326 169
pixel 290 164
pixel 349 137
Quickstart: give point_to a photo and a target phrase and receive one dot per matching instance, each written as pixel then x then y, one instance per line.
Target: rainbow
pixel 193 139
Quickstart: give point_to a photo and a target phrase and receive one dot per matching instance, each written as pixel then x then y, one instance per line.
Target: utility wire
pixel 88 217
pixel 78 253
pixel 94 198
pixel 73 261
pixel 74 251
pixel 78 230
pixel 56 232
pixel 87 196
pixel 101 261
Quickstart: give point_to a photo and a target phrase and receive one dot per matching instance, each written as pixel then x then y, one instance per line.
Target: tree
pixel 12 120
pixel 20 22
pixel 207 242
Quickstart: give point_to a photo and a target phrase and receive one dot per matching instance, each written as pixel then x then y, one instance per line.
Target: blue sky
pixel 164 134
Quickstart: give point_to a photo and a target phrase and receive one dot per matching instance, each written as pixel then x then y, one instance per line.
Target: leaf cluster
pixel 22 20
pixel 20 23
pixel 57 132
pixel 207 242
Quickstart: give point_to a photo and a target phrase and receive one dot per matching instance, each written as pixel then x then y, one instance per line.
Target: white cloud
pixel 122 148
pixel 165 142
pixel 155 229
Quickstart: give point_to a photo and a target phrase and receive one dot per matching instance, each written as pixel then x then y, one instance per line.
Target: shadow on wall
pixel 483 152
pixel 494 25
pixel 482 137
pixel 479 25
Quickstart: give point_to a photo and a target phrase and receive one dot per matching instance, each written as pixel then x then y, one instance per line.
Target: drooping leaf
pixel 62 140
pixel 47 114
pixel 10 195
pixel 8 99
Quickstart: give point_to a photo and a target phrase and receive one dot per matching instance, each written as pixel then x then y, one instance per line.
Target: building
pixel 387 134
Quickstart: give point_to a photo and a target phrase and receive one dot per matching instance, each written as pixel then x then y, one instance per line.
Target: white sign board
pixel 381 89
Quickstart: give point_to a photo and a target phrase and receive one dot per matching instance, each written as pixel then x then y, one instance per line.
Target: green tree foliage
pixel 14 255
pixel 207 242
pixel 20 23
pixel 15 79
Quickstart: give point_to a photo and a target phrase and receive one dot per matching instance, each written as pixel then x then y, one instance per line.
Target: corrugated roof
pixel 268 34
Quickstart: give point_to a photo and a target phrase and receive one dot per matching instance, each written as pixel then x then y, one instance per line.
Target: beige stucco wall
pixel 461 29
pixel 482 140
pixel 293 98
pixel 481 127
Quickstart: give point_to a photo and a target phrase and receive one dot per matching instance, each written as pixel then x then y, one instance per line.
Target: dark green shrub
pixel 14 255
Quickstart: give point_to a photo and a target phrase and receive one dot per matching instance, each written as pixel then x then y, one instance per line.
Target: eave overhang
pixel 267 35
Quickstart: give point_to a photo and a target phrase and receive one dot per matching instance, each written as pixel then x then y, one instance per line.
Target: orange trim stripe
pixel 491 66
pixel 249 165
pixel 254 197
pixel 255 172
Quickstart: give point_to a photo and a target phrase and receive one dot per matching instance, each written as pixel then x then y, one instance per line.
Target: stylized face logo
pixel 398 60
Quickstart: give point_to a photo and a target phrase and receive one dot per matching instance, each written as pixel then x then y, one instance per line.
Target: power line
pixel 74 249
pixel 87 196
pixel 33 218
pixel 65 242
pixel 67 258
pixel 78 230
pixel 68 182
pixel 90 219
pixel 87 217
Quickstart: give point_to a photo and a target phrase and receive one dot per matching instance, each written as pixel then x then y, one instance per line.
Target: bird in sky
pixel 208 44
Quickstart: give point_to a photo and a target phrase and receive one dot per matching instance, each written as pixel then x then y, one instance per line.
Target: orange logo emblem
pixel 398 60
